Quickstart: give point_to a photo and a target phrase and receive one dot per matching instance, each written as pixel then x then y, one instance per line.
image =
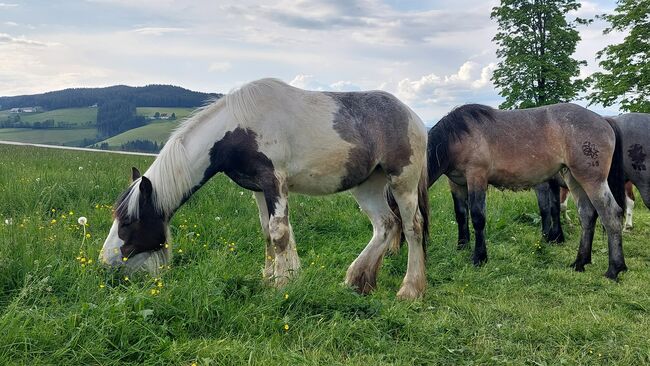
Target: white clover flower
pixel 9 221
pixel 82 221
pixel 81 168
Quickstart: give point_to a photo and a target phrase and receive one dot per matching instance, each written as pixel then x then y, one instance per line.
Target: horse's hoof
pixel 461 246
pixel 479 260
pixel 363 282
pixel 614 270
pixel 579 264
pixel 409 292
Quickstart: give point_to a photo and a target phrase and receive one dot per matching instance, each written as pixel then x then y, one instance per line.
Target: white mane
pixel 170 174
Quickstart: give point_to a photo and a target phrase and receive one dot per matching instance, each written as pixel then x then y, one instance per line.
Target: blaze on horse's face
pixel 137 243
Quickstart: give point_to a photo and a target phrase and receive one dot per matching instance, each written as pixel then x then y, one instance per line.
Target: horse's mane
pixel 452 126
pixel 171 179
pixel 169 173
pixel 456 122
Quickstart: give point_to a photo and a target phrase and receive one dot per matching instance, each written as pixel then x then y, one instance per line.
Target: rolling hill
pixel 71 114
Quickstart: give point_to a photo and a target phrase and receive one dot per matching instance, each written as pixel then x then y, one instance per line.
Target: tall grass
pixel 58 306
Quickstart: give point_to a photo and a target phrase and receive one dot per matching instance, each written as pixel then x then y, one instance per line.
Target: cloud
pixel 433 89
pixel 7 39
pixel 5 5
pixel 219 66
pixel 309 82
pixel 10 24
pixel 157 31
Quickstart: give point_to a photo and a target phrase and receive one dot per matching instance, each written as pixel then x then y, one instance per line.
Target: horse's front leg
pixel 284 255
pixel 459 195
pixel 476 193
pixel 269 254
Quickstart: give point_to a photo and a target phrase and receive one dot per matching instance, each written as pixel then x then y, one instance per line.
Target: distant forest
pixel 144 96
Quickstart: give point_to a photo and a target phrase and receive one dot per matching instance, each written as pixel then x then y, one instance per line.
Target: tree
pixel 626 79
pixel 535 43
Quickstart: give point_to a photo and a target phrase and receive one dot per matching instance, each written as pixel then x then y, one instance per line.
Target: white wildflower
pixel 82 221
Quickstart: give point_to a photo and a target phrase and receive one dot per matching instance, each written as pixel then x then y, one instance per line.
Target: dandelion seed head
pixel 81 220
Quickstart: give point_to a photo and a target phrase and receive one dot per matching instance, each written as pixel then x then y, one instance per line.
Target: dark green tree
pixel 626 76
pixel 535 44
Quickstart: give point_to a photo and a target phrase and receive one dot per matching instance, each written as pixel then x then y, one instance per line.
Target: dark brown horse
pixel 635 137
pixel 475 145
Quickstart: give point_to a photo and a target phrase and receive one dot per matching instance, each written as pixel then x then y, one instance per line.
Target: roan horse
pixel 475 145
pixel 272 138
pixel 635 137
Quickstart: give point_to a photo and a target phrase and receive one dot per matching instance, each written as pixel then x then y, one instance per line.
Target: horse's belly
pixel 316 181
pixel 521 178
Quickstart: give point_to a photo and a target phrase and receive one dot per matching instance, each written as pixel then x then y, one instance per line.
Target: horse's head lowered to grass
pixel 139 237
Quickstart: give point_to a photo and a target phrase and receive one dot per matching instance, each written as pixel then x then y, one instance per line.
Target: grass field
pixel 525 306
pixel 157 131
pixel 56 136
pixel 71 115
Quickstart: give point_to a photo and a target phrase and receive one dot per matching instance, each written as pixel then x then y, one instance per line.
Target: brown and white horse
pixel 272 139
pixel 475 145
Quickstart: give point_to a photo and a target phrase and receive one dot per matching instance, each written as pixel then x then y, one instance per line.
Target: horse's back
pixel 330 141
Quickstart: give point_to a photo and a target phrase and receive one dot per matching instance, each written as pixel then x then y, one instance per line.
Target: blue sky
pixel 434 55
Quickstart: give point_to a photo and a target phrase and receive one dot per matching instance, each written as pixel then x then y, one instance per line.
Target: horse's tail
pixel 423 208
pixel 616 177
pixel 437 154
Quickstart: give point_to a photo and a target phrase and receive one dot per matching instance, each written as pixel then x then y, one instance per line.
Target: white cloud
pixel 432 89
pixel 219 66
pixel 6 38
pixel 10 24
pixel 157 31
pixel 5 5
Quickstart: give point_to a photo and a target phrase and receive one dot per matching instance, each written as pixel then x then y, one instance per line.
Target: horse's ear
pixel 145 187
pixel 135 173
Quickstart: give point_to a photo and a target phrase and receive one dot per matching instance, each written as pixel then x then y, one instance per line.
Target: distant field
pixel 157 131
pixel 70 137
pixel 150 111
pixel 71 115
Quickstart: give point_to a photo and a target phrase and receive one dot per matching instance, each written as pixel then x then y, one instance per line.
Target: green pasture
pixel 157 130
pixel 52 136
pixel 525 306
pixel 71 115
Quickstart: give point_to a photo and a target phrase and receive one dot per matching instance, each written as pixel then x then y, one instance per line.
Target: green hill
pixel 54 136
pixel 157 131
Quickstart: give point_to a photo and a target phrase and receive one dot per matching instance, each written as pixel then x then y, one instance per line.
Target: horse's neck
pixel 180 168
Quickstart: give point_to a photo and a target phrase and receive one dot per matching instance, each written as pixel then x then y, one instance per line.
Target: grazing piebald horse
pixel 635 137
pixel 475 145
pixel 272 139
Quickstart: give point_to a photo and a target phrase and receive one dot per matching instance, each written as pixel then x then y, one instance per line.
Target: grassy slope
pixel 157 131
pixel 72 115
pixel 71 137
pixel 524 306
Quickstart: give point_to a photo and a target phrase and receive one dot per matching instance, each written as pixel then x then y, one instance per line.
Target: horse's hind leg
pixel 629 205
pixel 548 199
pixel 405 190
pixel 285 257
pixel 362 273
pixel 459 195
pixel 543 193
pixel 611 214
pixel 588 216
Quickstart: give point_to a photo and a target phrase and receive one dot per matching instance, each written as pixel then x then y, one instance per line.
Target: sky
pixel 433 55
